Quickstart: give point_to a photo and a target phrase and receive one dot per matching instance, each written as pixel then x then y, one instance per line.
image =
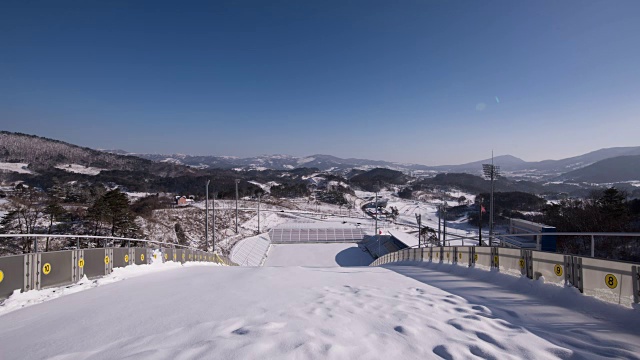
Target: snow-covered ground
pixel 135 196
pixel 397 312
pixel 20 300
pixel 20 168
pixel 325 255
pixel 79 169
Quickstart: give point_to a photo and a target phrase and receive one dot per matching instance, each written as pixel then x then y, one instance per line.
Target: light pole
pixel 237 181
pixel 480 221
pixel 492 172
pixel 376 215
pixel 213 211
pixel 418 219
pixel 444 224
pixel 439 221
pixel 206 217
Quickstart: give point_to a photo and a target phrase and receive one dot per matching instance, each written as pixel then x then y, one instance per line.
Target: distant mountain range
pixel 604 166
pixel 510 166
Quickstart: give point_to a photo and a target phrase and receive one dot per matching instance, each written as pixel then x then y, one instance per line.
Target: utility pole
pixel 376 216
pixel 480 222
pixel 206 217
pixel 213 233
pixel 418 219
pixel 439 232
pixel 237 181
pixel 444 225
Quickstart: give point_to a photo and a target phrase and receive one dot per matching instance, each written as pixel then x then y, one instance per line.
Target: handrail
pixel 591 234
pixel 115 238
pixel 571 233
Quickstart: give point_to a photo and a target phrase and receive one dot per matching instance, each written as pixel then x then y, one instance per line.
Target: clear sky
pixel 431 82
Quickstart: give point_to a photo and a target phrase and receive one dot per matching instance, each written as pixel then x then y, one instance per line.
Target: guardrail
pixel 613 281
pixel 591 235
pixel 40 270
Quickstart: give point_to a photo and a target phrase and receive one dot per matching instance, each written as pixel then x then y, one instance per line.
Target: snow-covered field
pixel 325 255
pixel 398 312
pixel 79 169
pixel 20 168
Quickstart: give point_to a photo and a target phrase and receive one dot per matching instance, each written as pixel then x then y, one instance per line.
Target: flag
pixel 482 209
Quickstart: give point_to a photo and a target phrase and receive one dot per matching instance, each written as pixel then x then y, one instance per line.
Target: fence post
pixel 593 246
pixel 635 275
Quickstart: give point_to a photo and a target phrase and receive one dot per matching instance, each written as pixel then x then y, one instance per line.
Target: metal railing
pixel 68 265
pixel 113 239
pixel 501 239
pixel 612 281
pixel 591 235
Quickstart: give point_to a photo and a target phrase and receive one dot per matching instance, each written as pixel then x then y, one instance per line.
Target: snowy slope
pixel 399 312
pixel 20 168
pixel 327 255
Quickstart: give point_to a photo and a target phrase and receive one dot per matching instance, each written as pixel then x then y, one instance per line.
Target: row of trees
pixel 33 211
pixel 603 211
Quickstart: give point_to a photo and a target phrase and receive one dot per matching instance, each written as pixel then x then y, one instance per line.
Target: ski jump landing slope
pixel 405 311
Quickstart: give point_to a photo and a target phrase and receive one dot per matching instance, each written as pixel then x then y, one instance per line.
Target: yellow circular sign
pixel 611 281
pixel 81 263
pixel 106 260
pixel 182 256
pixel 447 255
pixel 190 256
pixel 175 256
pixel 155 256
pixel 460 255
pixel 557 270
pixel 495 259
pixel 437 254
pixel 141 257
pixel 521 262
pixel 126 258
pixel 46 268
pixel 166 256
pixel 1 276
pixel 475 257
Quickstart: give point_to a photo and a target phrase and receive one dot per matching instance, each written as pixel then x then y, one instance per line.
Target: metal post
pixel 480 222
pixel 418 218
pixel 593 246
pixel 439 232
pixel 213 233
pixel 258 213
pixel 493 172
pixel 444 225
pixel 376 214
pixel 206 217
pixel 237 181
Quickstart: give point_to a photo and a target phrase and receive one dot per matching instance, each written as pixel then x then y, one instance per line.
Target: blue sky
pixel 431 82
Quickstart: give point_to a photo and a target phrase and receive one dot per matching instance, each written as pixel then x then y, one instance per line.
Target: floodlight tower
pixel 492 172
pixel 206 217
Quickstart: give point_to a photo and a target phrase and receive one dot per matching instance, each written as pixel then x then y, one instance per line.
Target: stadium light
pixel 491 172
pixel 206 217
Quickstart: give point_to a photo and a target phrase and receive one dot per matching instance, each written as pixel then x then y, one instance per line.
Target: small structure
pixel 538 242
pixel 183 200
pixel 407 239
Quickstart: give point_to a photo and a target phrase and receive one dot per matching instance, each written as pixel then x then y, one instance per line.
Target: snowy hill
pixel 510 165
